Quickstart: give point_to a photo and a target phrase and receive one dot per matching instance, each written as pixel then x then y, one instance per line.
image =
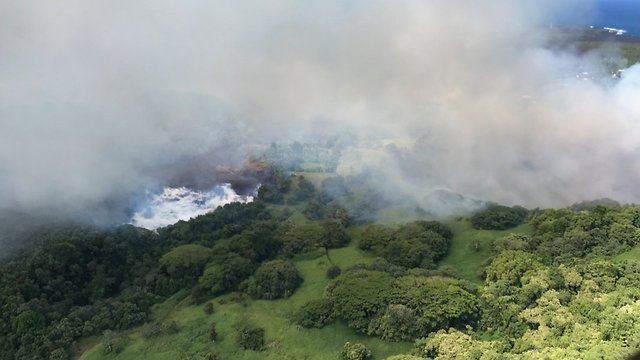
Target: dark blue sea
pixel 619 14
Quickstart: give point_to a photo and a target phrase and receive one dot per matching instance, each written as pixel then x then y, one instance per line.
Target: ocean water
pixel 618 14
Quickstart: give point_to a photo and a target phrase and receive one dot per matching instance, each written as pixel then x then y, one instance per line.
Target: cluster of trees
pixel 415 244
pixel 562 234
pixel 556 294
pixel 499 217
pixel 394 308
pixel 77 282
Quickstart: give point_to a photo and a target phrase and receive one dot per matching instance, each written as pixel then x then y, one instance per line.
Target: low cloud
pixel 100 100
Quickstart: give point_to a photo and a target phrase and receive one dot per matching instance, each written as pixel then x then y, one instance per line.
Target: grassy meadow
pixel 284 339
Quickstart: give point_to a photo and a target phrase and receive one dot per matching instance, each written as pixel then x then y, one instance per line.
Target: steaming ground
pixel 175 204
pixel 100 100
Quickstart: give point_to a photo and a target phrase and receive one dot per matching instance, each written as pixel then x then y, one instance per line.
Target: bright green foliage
pixel 454 345
pixel 435 236
pixel 563 234
pixel 186 256
pixel 438 303
pixel 273 280
pixel 415 244
pixel 404 357
pixel 226 274
pixel 512 242
pixel 499 217
pixel 305 238
pixel 355 351
pixel 399 322
pixel 375 237
pixel 302 238
pixel 316 313
pixel 510 266
pixel 360 295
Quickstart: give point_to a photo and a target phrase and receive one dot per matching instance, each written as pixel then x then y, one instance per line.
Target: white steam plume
pixel 94 95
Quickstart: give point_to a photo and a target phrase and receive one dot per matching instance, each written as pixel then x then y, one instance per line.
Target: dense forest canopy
pixel 568 287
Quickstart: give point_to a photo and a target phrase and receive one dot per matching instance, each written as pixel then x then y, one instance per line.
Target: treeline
pixel 76 282
pixel 556 294
pixel 80 281
pixel 543 293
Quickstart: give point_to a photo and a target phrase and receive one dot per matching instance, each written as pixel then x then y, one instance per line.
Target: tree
pixel 226 274
pixel 190 255
pixel 360 295
pixel 333 271
pixel 438 303
pixel 512 242
pixel 510 266
pixel 499 217
pixel 213 334
pixel 316 313
pixel 303 191
pixel 208 308
pixel 374 237
pixel 302 238
pixel 454 344
pixel 404 357
pixel 355 351
pixel 415 244
pixel 113 343
pixel 335 235
pixel 273 280
pixel 398 323
pixel 250 337
pixel 28 321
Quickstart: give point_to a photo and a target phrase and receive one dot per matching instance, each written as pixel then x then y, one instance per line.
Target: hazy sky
pixel 96 96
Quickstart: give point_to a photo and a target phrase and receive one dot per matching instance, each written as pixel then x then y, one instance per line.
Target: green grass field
pixel 633 254
pixel 284 339
pixel 471 248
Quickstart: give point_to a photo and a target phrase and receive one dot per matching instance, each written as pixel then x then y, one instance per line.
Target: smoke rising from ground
pixel 98 99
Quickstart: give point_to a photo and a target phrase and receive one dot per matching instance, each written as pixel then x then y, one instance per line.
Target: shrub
pixel 151 330
pixel 499 217
pixel 197 294
pixel 250 337
pixel 335 235
pixel 113 343
pixel 333 271
pixel 374 237
pixel 316 313
pixel 208 308
pixel 226 274
pixel 273 280
pixel 154 329
pixel 399 323
pixel 355 351
pixel 59 354
pixel 213 334
pixel 359 295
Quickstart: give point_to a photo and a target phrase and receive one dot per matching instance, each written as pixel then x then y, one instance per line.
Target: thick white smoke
pixel 174 204
pixel 95 96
